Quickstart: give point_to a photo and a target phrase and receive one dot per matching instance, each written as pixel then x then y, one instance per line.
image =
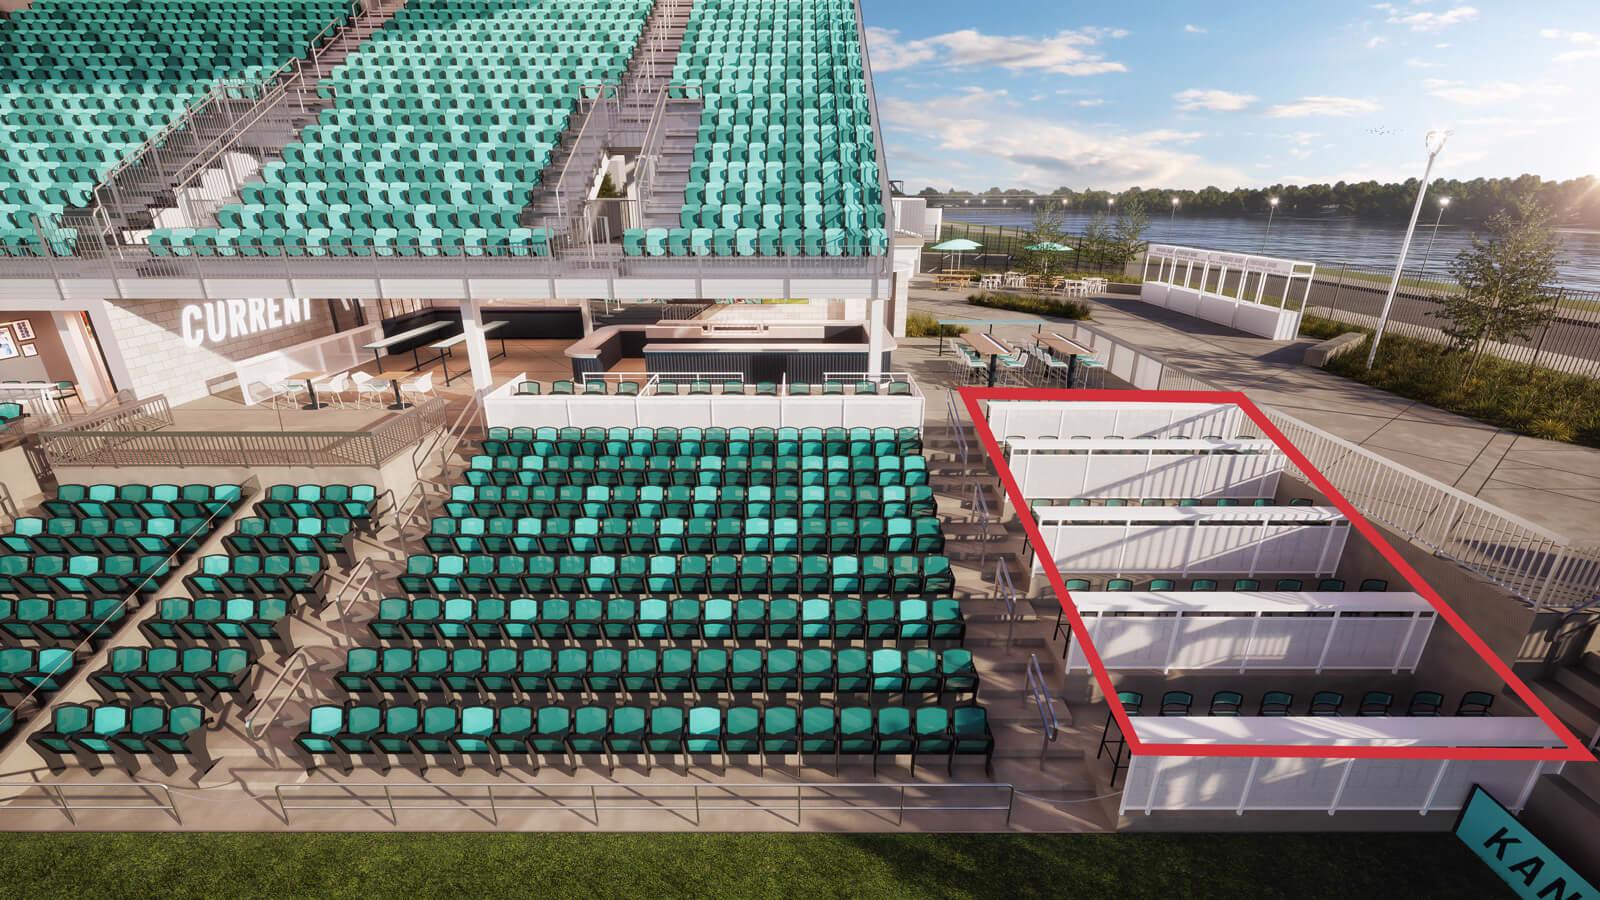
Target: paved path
pixel 1552 484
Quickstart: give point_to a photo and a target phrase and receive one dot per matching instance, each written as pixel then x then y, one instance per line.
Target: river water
pixel 1327 241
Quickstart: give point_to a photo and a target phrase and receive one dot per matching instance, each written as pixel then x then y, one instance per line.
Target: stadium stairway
pixel 259 129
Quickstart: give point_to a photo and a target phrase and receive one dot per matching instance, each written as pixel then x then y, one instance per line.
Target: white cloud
pixel 1067 53
pixel 1427 20
pixel 1300 143
pixel 1213 99
pixel 1194 29
pixel 1489 92
pixel 1323 106
pixel 1020 146
pixel 1585 44
pixel 1092 101
pixel 1376 41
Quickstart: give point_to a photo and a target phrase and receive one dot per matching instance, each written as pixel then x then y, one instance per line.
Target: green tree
pixel 1049 226
pixel 1127 235
pixel 1504 277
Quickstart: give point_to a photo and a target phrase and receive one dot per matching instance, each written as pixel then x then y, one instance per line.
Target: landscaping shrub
pixel 1536 402
pixel 924 325
pixel 1030 303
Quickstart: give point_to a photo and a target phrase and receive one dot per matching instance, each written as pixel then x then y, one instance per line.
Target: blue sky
pixel 1041 93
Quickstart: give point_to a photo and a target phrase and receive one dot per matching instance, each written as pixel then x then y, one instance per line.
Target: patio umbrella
pixel 957 246
pixel 1047 247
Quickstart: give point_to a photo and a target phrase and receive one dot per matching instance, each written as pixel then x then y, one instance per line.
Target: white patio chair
pixel 290 392
pixel 421 387
pixel 334 386
pixel 367 386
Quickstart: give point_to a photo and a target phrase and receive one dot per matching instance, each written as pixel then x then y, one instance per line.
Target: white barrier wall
pixel 504 408
pixel 1145 468
pixel 1315 630
pixel 1321 784
pixel 1193 540
pixel 1015 419
pixel 1228 288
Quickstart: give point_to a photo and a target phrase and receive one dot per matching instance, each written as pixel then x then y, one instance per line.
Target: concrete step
pixel 1571 709
pixel 1564 817
pixel 1591 662
pixel 1583 683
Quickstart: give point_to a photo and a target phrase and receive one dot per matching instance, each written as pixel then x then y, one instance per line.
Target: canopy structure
pixel 1047 247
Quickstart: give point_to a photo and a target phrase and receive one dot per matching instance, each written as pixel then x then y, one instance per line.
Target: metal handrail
pixel 1039 692
pixel 1007 592
pixel 59 791
pixel 599 106
pixel 304 658
pixel 957 425
pixel 591 792
pixel 885 192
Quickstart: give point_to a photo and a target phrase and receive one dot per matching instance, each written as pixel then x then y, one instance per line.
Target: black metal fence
pixel 1003 251
pixel 1569 341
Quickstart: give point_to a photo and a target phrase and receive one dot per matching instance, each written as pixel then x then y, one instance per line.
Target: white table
pixel 447 346
pixel 377 346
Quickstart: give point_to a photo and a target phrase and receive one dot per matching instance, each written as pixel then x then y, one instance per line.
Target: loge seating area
pixel 70 578
pixel 565 617
pixel 83 83
pixel 445 120
pixel 786 162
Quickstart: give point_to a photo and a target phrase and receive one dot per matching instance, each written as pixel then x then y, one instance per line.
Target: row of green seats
pixel 673 433
pixel 421 732
pixel 84 575
pixel 128 734
pixel 211 674
pixel 25 669
pixel 792 458
pixel 661 471
pixel 455 242
pixel 478 208
pixel 709 670
pixel 914 619
pixel 127 500
pixel 754 242
pixel 258 575
pixel 652 501
pixel 312 534
pixel 51 620
pixel 685 574
pixel 215 621
pixel 37 536
pixel 677 536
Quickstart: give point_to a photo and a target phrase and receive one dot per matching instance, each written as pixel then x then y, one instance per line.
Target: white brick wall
pixel 159 362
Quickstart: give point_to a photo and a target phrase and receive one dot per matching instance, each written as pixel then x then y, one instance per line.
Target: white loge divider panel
pixel 1020 419
pixel 1164 468
pixel 1250 630
pixel 504 408
pixel 1323 784
pixel 1193 540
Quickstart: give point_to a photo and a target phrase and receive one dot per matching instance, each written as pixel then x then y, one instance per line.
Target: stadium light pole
pixel 1434 141
pixel 1272 210
pixel 1444 203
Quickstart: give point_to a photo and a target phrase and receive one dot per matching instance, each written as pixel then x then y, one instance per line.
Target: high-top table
pixel 377 346
pixel 1065 347
pixel 310 378
pixel 447 347
pixel 985 344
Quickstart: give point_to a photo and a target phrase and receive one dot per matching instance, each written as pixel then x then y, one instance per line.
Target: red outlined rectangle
pixel 1572 750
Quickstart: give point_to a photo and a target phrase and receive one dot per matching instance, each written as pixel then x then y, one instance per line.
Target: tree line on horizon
pixel 1572 202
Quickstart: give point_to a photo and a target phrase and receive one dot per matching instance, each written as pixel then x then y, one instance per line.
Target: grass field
pixel 1295 866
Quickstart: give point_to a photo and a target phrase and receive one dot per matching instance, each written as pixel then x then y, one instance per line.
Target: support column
pixel 477 347
pixel 585 310
pixel 875 332
pixel 93 381
pixel 100 318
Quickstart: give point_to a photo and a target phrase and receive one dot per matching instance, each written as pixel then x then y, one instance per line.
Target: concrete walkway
pixel 1551 484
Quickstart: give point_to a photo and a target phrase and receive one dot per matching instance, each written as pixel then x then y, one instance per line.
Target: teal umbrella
pixel 957 246
pixel 1048 247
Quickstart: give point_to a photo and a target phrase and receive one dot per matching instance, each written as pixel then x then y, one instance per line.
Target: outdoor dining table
pixel 310 378
pixel 402 337
pixel 986 344
pixel 990 281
